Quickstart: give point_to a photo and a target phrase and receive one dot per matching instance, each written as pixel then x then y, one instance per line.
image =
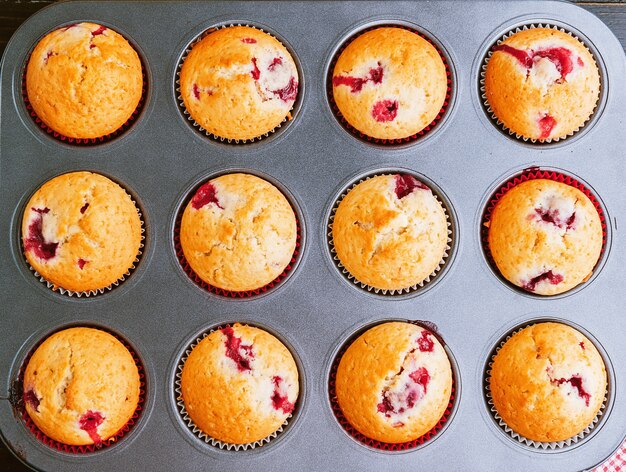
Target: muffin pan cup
pixel 571 442
pixel 393 447
pixel 159 310
pixel 557 176
pixel 99 291
pixel 201 435
pixel 86 141
pixel 450 85
pixel 17 393
pixel 293 112
pixel 558 27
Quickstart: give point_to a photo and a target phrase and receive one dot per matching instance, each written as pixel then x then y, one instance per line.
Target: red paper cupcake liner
pixel 86 142
pixel 533 174
pixel 195 278
pixel 18 403
pixel 388 142
pixel 373 443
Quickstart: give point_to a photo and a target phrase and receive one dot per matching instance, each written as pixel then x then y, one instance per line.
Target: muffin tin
pixel 159 310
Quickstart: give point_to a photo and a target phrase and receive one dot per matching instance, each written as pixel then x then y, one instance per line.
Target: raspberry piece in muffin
pixel 253 403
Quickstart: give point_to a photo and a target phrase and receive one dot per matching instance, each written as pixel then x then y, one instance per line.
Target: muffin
pixel 239 83
pixel 390 232
pixel 81 232
pixel 548 382
pixel 84 80
pixel 238 232
pixel 542 83
pixel 394 382
pixel 256 378
pixel 81 386
pixel 545 236
pixel 389 83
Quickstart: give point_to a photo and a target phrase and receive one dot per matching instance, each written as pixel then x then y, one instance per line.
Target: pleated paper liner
pixel 99 291
pixel 489 111
pixel 380 445
pixel 178 395
pixel 538 445
pixel 197 127
pixel 533 174
pixel 195 278
pixel 17 393
pixel 388 142
pixel 451 241
pixel 86 142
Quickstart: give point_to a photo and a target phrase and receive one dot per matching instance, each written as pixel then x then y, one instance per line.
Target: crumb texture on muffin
pixel 389 83
pixel 238 232
pixel 239 384
pixel 542 83
pixel 548 382
pixel 81 231
pixel 390 232
pixel 81 386
pixel 239 83
pixel 545 236
pixel 84 80
pixel 394 382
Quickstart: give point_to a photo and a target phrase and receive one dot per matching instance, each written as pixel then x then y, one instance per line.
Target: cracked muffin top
pixel 548 382
pixel 84 80
pixel 81 386
pixel 81 231
pixel 394 382
pixel 238 232
pixel 389 83
pixel 390 232
pixel 256 377
pixel 542 83
pixel 545 236
pixel 239 83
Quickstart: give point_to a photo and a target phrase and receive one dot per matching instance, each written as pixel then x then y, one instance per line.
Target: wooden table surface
pixel 14 12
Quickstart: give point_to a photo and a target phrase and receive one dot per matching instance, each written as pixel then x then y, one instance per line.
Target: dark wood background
pixel 14 12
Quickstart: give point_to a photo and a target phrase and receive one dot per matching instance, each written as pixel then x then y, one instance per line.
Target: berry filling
pixel 385 110
pixel 240 353
pixel 398 402
pixel 48 56
pixel 255 72
pixel 277 61
pixel 89 422
pixel 554 279
pixel 424 342
pixel 70 26
pixel 552 216
pixel 35 241
pixel 83 209
pixel 580 62
pixel 356 84
pixel 280 400
pixel 248 40
pixel 559 56
pixel 205 196
pixel 31 398
pixel 81 263
pixel 546 125
pixel 100 30
pixel 406 184
pixel 575 381
pixel 289 92
pixel 197 91
pixel 582 345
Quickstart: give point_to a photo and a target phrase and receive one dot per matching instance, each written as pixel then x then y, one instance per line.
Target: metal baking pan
pixel 159 310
